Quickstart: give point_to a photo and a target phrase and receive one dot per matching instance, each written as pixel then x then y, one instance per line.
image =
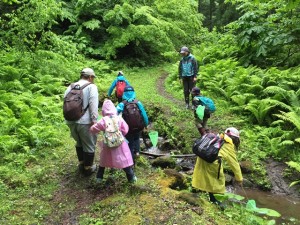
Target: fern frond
pixel 292 117
pixel 287 143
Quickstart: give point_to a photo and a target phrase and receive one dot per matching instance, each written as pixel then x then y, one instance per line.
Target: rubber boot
pixel 89 167
pixel 79 152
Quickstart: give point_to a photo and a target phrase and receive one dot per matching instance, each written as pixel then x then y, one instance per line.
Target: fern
pixel 296 166
pixel 260 109
pixel 292 117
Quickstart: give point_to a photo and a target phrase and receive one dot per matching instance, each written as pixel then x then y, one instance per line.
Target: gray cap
pixel 184 49
pixel 87 72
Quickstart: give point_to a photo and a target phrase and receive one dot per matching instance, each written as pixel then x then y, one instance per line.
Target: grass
pixel 53 192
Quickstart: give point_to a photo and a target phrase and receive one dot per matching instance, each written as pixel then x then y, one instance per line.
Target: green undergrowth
pixel 46 187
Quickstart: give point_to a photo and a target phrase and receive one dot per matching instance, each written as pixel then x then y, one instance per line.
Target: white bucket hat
pixel 232 132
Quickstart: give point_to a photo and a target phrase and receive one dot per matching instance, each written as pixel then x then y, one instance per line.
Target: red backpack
pixel 120 86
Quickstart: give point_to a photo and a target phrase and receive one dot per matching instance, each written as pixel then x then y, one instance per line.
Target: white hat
pixel 232 132
pixel 87 72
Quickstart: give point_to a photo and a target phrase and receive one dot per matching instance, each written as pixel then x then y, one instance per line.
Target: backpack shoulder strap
pixel 85 85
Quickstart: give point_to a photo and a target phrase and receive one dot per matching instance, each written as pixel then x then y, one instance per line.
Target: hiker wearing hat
pixel 210 177
pixel 188 70
pixel 135 116
pixel 119 83
pixel 203 108
pixel 79 127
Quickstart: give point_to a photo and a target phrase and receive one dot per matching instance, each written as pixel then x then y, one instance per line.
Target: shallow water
pixel 287 206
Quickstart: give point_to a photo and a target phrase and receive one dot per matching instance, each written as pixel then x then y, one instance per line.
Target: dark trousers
pixel 188 84
pixel 134 143
pixel 128 170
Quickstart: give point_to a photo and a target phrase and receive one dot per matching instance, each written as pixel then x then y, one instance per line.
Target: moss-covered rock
pixel 178 181
pixel 164 162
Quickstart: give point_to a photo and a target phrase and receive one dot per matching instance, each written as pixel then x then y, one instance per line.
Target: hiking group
pixel 122 126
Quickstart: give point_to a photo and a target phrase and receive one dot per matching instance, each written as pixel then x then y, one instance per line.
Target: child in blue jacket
pixel 203 113
pixel 136 125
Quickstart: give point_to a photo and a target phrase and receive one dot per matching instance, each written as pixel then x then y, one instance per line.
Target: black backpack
pixel 133 116
pixel 73 103
pixel 207 148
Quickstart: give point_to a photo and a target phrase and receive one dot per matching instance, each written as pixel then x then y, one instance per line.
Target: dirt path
pixel 160 84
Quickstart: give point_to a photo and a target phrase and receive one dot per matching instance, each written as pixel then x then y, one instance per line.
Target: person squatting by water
pixel 201 123
pixel 113 157
pixel 205 176
pixel 187 70
pixel 85 142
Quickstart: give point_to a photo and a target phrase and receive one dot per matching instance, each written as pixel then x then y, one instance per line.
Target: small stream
pixel 288 207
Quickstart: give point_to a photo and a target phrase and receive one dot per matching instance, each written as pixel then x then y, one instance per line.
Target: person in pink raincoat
pixel 116 157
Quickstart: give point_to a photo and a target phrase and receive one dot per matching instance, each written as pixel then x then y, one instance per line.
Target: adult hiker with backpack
pixel 187 70
pixel 135 116
pixel 203 108
pixel 119 83
pixel 114 150
pixel 81 112
pixel 208 171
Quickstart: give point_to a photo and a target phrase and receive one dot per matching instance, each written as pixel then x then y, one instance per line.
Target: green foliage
pixel 140 32
pixel 25 26
pixel 267 33
pixel 295 166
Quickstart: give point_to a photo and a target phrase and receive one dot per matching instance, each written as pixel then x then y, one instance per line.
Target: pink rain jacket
pixel 119 157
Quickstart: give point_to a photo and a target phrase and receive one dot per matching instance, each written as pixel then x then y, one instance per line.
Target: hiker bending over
pixel 203 108
pixel 119 83
pixel 80 117
pixel 135 116
pixel 187 70
pixel 114 150
pixel 205 176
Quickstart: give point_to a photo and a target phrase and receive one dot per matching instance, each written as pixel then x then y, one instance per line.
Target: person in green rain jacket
pixel 205 176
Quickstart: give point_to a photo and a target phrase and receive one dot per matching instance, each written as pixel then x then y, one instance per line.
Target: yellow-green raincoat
pixel 205 176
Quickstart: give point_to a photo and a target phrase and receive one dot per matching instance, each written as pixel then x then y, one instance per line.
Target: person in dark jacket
pixel 133 136
pixel 187 70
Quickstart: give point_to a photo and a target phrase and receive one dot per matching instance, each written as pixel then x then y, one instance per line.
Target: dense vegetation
pixel 248 52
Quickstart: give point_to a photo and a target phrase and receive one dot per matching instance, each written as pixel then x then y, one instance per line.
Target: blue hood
pixel 129 95
pixel 120 78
